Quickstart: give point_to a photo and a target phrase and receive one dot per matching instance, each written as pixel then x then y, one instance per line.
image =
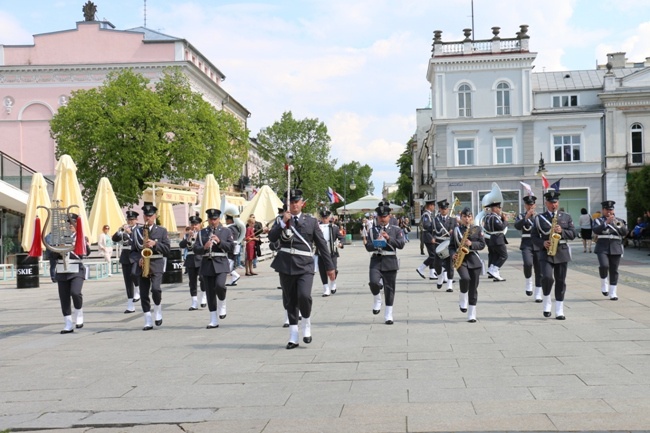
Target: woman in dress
pixel 250 240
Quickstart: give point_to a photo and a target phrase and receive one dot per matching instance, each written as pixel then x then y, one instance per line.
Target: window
pixel 503 99
pixel 464 101
pixel 503 150
pixel 465 152
pixel 565 101
pixel 566 147
pixel 637 143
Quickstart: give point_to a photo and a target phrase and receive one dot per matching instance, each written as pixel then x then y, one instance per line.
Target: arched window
pixel 636 132
pixel 464 101
pixel 503 99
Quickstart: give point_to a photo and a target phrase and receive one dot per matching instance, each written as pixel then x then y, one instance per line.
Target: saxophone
pixel 146 252
pixel 462 250
pixel 553 237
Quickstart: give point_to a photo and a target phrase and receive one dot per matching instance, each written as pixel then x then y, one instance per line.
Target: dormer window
pixel 565 101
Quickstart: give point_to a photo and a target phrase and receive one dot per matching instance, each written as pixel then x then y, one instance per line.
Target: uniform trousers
pixel 194 280
pixel 497 255
pixel 216 288
pixel 531 262
pixel 147 285
pixel 389 278
pixel 323 272
pixel 431 250
pixel 296 295
pixel 130 280
pixel 444 263
pixel 71 289
pixel 608 264
pixel 554 273
pixel 469 279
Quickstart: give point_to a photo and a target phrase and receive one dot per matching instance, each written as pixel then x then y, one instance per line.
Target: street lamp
pixel 353 186
pixel 541 170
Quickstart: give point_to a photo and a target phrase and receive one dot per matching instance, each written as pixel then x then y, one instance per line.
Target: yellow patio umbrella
pixel 38 196
pixel 67 190
pixel 211 198
pixel 105 211
pixel 264 205
pixel 166 217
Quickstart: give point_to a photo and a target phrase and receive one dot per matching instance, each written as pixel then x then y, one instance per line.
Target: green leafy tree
pixel 636 197
pixel 405 181
pixel 309 142
pixel 345 175
pixel 134 133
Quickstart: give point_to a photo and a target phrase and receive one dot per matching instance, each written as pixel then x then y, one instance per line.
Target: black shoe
pixel 547 314
pixel 231 284
pixel 613 299
pixel 291 345
pixel 419 273
pixel 471 321
pixel 79 325
pixel 192 309
pixel 286 325
pixel 439 286
pixel 375 311
pixel 136 300
pixel 67 331
pixel 325 295
pixel 333 291
pixel 129 311
pixel 147 328
pixel 279 287
pixel 463 310
pixel 605 293
pixel 158 322
pixel 539 301
pixel 422 253
pixel 222 316
pixel 389 322
pixel 529 293
pixel 306 339
pixel 560 318
pixel 211 326
pixel 450 290
pixel 489 275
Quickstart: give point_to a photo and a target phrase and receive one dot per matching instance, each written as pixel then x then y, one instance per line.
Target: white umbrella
pixel 105 211
pixel 211 198
pixel 264 205
pixel 67 190
pixel 38 196
pixel 364 204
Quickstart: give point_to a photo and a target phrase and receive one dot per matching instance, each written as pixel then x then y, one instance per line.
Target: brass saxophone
pixel 462 250
pixel 146 252
pixel 553 237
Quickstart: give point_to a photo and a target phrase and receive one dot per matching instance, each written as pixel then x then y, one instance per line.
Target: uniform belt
pixel 608 237
pixel 384 253
pixel 296 252
pixel 156 256
pixel 500 232
pixel 60 262
pixel 442 238
pixel 190 253
pixel 562 241
pixel 215 255
pixel 525 236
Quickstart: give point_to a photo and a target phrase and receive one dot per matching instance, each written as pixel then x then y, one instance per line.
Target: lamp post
pixel 541 170
pixel 353 186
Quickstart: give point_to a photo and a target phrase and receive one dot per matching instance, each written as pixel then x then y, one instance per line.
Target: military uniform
pixel 529 251
pixel 495 226
pixel 427 239
pixel 294 262
pixel 131 283
pixel 609 249
pixel 333 238
pixel 553 268
pixel 193 263
pixel 471 267
pixel 151 284
pixel 214 265
pixel 384 263
pixel 443 227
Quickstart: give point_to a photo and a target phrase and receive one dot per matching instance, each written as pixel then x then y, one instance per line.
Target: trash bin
pixel 27 272
pixel 174 269
pixel 348 239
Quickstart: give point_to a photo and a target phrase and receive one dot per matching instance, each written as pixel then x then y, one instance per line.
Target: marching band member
pixel 123 238
pixel 495 224
pixel 428 240
pixel 384 241
pixel 334 240
pixel 70 276
pixel 297 232
pixel 609 247
pixel 443 226
pixel 235 230
pixel 215 242
pixel 524 223
pixel 554 254
pixel 470 237
pixel 193 262
pixel 150 245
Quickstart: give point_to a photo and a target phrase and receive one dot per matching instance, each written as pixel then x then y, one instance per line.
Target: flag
pixel 80 241
pixel 334 196
pixel 556 185
pixel 544 183
pixel 255 190
pixel 527 188
pixel 37 247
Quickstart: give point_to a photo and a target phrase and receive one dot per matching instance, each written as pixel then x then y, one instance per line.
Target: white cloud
pixel 11 32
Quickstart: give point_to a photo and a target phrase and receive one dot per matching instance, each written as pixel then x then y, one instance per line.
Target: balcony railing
pixel 19 175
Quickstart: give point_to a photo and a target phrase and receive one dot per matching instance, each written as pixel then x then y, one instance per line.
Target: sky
pixel 359 66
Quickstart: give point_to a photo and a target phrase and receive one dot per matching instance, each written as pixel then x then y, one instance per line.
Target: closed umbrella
pixel 67 190
pixel 264 205
pixel 166 217
pixel 38 196
pixel 105 211
pixel 211 198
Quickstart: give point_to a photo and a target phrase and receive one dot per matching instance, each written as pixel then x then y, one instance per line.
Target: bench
pixel 97 269
pixel 5 268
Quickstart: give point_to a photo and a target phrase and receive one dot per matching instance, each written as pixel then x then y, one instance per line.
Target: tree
pixel 405 181
pixel 133 134
pixel 636 197
pixel 356 172
pixel 309 142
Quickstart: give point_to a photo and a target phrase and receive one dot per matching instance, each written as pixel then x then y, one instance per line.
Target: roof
pixel 574 80
pixel 152 35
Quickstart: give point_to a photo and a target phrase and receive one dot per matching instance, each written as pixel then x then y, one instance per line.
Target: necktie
pixel 295 221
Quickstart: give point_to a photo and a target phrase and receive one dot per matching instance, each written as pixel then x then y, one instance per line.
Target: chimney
pixel 617 60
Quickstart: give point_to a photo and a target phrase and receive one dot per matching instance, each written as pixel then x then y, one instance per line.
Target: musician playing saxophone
pixel 609 247
pixel 553 267
pixel 193 263
pixel 158 243
pixel 471 237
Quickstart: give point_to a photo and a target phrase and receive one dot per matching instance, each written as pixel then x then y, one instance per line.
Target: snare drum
pixel 442 250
